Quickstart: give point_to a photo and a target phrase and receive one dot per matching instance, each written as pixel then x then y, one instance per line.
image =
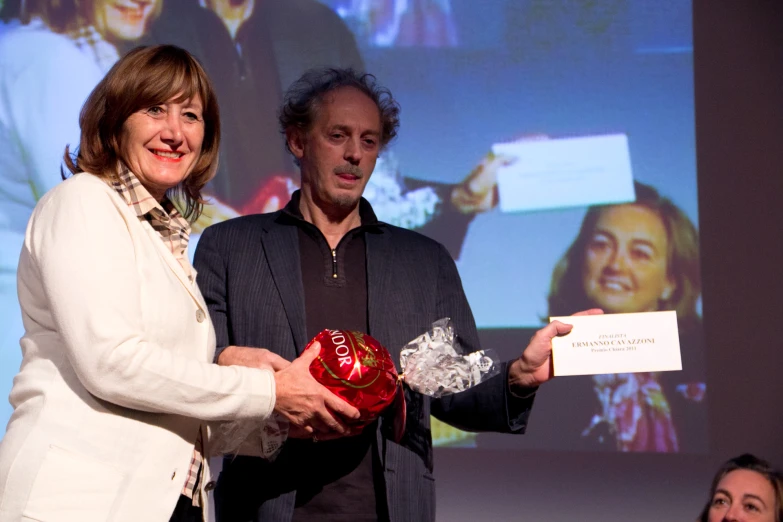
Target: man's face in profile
pixel 338 153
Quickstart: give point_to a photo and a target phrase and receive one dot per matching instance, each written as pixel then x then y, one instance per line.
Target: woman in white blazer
pixel 52 55
pixel 116 383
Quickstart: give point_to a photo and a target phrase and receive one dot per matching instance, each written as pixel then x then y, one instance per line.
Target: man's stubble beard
pixel 345 202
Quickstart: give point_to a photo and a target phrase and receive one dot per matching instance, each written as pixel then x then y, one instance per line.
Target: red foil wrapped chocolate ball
pixel 355 367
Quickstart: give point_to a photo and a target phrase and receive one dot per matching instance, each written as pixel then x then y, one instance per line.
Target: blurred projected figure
pixel 640 257
pixel 400 23
pixel 52 54
pixel 254 50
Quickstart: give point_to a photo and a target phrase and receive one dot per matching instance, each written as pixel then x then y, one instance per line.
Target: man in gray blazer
pixel 325 261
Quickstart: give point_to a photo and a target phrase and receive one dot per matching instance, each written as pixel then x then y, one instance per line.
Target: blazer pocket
pixel 72 487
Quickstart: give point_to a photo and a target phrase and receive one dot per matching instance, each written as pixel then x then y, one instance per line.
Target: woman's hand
pixel 252 358
pixel 309 405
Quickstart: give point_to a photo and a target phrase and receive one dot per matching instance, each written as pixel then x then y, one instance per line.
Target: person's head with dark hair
pixel 157 113
pixel 115 21
pixel 307 95
pixel 745 489
pixel 335 123
pixel 632 257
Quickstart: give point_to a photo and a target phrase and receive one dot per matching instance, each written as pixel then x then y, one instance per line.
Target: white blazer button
pixel 210 485
pixel 200 316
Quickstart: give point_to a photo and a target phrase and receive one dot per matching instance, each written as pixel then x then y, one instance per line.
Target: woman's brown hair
pixel 145 77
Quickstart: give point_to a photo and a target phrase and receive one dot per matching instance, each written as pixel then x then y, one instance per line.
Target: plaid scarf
pixel 165 219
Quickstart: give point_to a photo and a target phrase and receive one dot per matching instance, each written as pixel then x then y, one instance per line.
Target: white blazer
pixel 116 376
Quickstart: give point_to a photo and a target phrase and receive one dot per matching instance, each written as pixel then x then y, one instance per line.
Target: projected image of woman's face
pixel 123 19
pixel 625 266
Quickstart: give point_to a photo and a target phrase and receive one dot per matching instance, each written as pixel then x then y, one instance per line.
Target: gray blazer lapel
pixel 281 247
pixel 380 260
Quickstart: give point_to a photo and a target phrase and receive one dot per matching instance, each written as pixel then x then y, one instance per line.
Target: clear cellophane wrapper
pixel 257 438
pixel 433 364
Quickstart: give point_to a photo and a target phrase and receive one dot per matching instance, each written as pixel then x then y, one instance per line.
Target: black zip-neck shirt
pixel 339 480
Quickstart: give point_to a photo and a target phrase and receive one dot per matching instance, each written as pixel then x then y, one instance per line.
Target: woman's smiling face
pixel 626 261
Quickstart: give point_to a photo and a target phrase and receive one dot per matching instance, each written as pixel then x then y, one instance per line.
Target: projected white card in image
pixel 568 172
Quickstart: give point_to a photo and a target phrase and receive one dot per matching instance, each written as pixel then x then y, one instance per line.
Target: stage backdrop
pixel 551 236
pixel 593 102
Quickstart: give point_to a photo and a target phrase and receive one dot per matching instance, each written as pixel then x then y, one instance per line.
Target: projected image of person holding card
pixel 254 51
pixel 639 257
